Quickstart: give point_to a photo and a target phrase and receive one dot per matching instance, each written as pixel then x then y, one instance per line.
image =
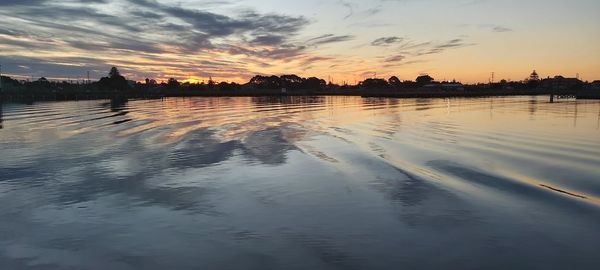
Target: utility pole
pixel 492 81
pixel 88 77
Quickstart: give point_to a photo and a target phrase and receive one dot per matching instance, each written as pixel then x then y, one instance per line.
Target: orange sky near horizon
pixel 345 41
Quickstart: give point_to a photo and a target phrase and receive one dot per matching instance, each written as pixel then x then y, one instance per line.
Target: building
pixel 561 83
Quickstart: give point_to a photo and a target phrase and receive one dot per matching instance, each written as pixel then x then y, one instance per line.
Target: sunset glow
pixel 344 40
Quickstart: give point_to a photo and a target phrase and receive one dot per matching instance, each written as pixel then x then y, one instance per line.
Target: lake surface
pixel 301 183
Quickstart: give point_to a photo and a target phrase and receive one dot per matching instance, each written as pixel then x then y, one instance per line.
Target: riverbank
pixel 387 93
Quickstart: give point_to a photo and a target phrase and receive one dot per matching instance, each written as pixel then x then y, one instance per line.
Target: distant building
pixel 561 83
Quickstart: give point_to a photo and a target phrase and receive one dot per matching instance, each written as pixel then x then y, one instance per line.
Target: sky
pixel 341 40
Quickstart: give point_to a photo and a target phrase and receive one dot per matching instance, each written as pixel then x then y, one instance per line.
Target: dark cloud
pixel 330 38
pixel 148 29
pixel 313 59
pixel 439 48
pixel 286 52
pixel 373 11
pixel 349 6
pixel 409 51
pixel 39 2
pixel 147 22
pixel 218 25
pixel 22 44
pixel 54 68
pixel 451 44
pixel 396 58
pixel 123 45
pixel 20 2
pixel 385 41
pixel 268 40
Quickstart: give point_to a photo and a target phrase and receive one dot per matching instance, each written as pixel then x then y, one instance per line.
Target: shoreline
pixel 367 93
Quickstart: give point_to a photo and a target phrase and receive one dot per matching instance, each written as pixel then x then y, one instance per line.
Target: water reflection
pixel 300 183
pixel 422 104
pixel 1 115
pixel 287 100
pixel 533 105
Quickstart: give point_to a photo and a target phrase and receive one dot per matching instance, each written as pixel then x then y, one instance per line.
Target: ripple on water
pixel 300 182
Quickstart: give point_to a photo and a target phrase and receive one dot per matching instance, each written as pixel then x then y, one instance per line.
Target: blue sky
pixel 347 40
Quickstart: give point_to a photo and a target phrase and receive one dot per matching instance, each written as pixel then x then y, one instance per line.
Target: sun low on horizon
pixel 344 41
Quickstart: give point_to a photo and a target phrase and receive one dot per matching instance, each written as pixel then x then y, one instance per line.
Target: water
pixel 301 183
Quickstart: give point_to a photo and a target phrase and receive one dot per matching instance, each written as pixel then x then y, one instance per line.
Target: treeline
pixel 117 85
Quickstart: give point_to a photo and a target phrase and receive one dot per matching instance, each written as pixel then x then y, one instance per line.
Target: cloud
pixel 149 38
pixel 492 27
pixel 349 6
pixel 268 40
pixel 373 11
pixel 152 22
pixel 501 29
pixel 429 48
pixel 55 68
pixel 385 41
pixel 329 38
pixel 145 35
pixel 396 58
pixel 409 51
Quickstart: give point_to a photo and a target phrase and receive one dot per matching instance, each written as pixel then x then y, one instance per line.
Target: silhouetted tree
pixel 114 72
pixel 532 84
pixel 291 81
pixel 211 83
pixel 224 86
pixel 374 83
pixel 394 81
pixel 314 83
pixel 172 83
pixel 9 81
pixel 43 81
pixel 424 80
pixel 265 82
pixel 114 81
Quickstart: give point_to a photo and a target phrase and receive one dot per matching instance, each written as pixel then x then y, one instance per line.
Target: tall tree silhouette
pixel 314 83
pixel 114 81
pixel 424 80
pixel 291 81
pixel 114 72
pixel 374 83
pixel 172 83
pixel 394 81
